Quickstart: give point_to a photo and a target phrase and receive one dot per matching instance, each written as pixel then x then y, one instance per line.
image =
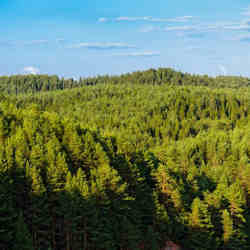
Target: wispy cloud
pixel 31 70
pixel 180 28
pixel 133 19
pixel 243 25
pixel 191 35
pixel 140 54
pixel 102 46
pixel 150 28
pixel 170 28
pixel 147 19
pixel 182 19
pixel 153 19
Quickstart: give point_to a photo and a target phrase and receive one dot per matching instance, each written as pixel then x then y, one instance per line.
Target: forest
pixel 125 162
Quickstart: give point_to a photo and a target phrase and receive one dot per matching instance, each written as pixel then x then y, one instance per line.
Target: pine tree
pixel 227 226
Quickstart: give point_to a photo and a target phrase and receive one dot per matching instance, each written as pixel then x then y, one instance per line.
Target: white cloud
pixel 182 19
pixel 152 19
pixel 179 28
pixel 243 25
pixel 147 19
pixel 31 70
pixel 172 28
pixel 133 19
pixel 102 46
pixel 149 28
pixel 239 26
pixel 140 54
pixel 210 27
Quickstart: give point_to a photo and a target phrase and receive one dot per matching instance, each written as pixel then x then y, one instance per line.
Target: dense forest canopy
pixel 125 162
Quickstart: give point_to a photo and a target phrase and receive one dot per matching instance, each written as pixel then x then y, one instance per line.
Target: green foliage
pixel 125 162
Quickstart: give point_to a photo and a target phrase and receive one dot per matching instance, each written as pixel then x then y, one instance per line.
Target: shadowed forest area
pixel 125 162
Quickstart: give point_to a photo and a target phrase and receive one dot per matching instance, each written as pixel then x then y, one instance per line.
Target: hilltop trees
pixel 31 84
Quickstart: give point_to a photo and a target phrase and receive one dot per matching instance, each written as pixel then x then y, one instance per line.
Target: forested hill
pixel 130 166
pixel 35 83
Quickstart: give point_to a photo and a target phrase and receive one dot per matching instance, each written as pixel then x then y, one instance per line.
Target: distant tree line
pixel 22 84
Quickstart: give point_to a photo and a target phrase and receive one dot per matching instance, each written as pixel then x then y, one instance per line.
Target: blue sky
pixel 90 37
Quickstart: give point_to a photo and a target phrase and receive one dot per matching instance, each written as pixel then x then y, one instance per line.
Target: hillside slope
pixel 126 166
